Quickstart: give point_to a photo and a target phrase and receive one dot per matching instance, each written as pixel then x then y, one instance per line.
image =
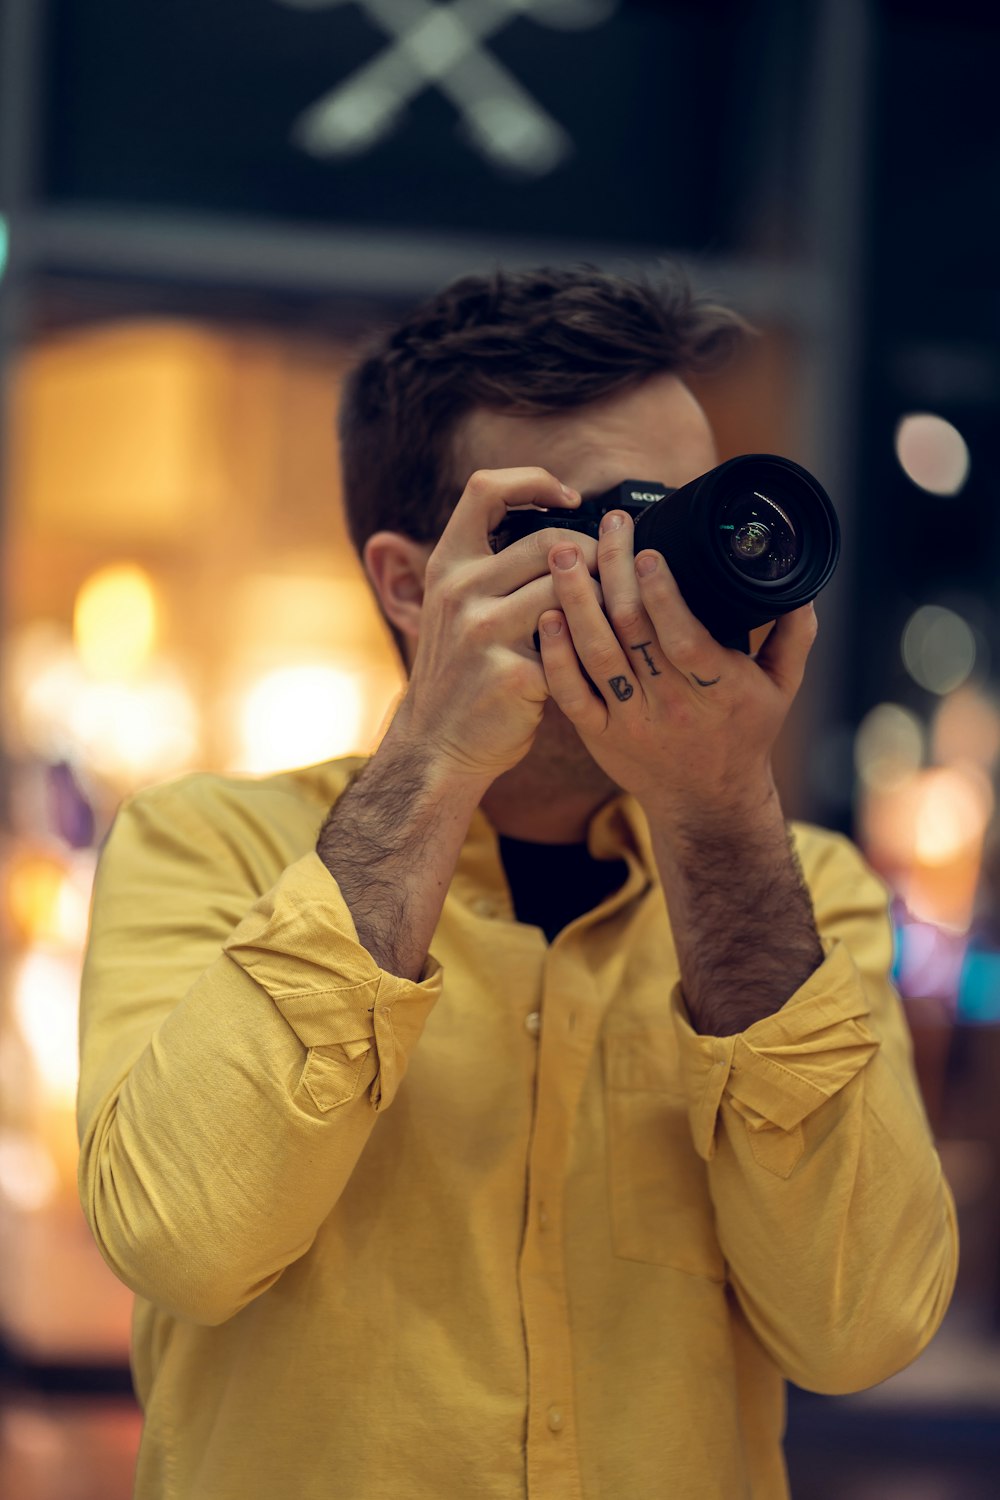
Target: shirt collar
pixel 617 830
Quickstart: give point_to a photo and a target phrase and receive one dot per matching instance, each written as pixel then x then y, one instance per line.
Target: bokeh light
pixel 136 732
pixel 952 811
pixel 45 1003
pixel 932 453
pixel 925 836
pixel 29 1177
pixel 47 901
pixel 938 648
pixel 966 728
pixel 888 746
pixel 299 714
pixel 115 621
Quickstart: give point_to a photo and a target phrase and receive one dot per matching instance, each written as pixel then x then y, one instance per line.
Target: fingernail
pixel 565 557
pixel 612 522
pixel 553 625
pixel 570 494
pixel 644 565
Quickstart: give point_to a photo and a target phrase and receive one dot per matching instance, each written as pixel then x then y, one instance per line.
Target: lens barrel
pixel 750 540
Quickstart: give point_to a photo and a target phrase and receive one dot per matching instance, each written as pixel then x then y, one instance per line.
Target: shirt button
pixel 555 1419
pixel 484 907
pixel 533 1022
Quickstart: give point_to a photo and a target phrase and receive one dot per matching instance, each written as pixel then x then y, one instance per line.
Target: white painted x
pixel 440 46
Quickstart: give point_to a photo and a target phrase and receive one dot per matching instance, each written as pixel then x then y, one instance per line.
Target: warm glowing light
pixel 43 678
pixel 938 648
pixel 115 621
pixel 129 731
pixel 888 746
pixel 298 715
pixel 951 814
pixel 45 995
pixel 29 1178
pixel 966 728
pixel 932 453
pixel 925 836
pixel 47 902
pixel 135 732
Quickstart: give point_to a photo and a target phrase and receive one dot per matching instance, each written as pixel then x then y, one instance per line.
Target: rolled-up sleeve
pixel 833 1214
pixel 299 944
pixel 237 1046
pixel 783 1067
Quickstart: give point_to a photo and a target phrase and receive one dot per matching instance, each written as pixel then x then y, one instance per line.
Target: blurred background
pixel 201 207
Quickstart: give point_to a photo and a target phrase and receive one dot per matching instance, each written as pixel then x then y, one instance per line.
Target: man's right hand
pixel 477 688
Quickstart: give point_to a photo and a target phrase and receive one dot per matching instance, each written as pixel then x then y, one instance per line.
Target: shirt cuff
pixel 300 944
pixel 784 1066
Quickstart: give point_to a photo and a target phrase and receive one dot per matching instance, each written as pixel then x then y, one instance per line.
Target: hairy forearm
pixel 741 914
pixel 392 842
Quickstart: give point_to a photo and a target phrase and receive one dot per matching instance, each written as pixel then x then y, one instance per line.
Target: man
pixel 511 1114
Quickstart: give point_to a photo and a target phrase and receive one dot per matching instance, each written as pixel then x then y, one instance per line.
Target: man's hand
pixel 477 688
pixel 687 727
pixel 681 722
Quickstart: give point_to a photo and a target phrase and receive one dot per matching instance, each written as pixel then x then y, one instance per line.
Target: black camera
pixel 746 542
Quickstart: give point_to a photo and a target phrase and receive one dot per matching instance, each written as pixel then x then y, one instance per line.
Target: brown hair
pixel 529 343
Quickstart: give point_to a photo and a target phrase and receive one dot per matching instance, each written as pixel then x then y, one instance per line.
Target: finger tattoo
pixel 654 671
pixel 621 687
pixel 710 683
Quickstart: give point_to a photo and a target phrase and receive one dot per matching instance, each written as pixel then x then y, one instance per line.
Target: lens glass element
pixel 757 537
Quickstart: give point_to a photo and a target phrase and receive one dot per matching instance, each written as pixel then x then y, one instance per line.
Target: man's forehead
pixel 655 431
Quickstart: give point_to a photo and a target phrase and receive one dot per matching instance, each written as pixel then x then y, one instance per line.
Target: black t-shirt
pixel 551 884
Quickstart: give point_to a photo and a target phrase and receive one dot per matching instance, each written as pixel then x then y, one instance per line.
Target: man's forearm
pixel 741 915
pixel 392 842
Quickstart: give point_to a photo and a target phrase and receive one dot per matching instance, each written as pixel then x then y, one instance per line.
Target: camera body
pixel 750 540
pixel 632 495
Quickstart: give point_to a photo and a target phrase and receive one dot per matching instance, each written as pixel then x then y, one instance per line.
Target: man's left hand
pixel 683 723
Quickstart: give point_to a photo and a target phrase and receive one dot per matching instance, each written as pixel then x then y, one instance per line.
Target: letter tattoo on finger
pixel 702 683
pixel 654 670
pixel 621 687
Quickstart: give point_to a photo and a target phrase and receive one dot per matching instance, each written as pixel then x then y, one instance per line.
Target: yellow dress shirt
pixel 512 1232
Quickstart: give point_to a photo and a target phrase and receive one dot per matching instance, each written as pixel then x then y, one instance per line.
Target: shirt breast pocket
pixel 661 1211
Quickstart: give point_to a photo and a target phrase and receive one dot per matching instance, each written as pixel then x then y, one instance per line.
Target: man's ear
pixel 396 564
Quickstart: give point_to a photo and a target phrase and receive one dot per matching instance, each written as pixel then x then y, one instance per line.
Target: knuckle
pixel 444 581
pixel 626 618
pixel 682 648
pixel 540 543
pixel 479 627
pixel 479 483
pixel 552 536
pixel 536 472
pixel 588 546
pixel 606 659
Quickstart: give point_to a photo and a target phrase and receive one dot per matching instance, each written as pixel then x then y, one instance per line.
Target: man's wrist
pixel 740 910
pixel 443 779
pixel 751 808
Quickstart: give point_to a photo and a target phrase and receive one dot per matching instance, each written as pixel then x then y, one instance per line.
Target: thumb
pixel 784 654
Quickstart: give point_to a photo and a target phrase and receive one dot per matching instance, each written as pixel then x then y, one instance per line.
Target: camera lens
pixel 757 537
pixel 750 540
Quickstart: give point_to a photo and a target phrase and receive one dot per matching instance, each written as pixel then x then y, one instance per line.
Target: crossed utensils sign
pixel 442 47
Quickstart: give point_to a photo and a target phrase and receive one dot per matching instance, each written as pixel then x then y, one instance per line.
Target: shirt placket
pixel 570 1020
